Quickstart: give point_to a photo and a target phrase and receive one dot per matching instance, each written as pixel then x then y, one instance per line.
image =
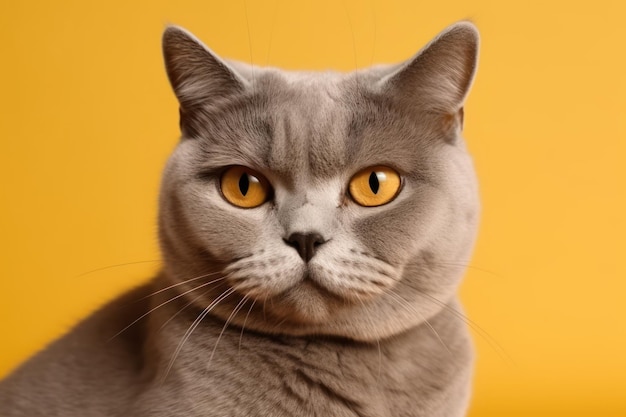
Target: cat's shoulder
pixel 91 364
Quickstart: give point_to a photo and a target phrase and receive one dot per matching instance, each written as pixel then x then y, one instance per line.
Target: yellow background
pixel 87 120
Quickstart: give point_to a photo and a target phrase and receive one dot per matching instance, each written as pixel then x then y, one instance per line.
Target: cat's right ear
pixel 198 76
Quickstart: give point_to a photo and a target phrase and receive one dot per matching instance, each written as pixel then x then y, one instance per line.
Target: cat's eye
pixel 243 187
pixel 375 186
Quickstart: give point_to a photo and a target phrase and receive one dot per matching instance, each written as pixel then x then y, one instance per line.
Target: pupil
pixel 244 184
pixel 374 184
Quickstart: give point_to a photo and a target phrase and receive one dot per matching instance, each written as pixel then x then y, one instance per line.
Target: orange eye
pixel 244 187
pixel 375 186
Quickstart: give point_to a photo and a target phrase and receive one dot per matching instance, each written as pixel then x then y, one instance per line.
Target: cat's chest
pixel 260 376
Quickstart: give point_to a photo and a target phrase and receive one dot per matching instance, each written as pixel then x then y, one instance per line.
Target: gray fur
pixel 369 327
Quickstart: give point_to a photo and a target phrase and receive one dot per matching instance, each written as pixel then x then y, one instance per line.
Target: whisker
pixel 183 308
pixel 104 268
pixel 269 46
pixel 356 65
pixel 403 303
pixel 491 341
pixel 193 326
pixel 277 325
pixel 244 325
pixel 233 314
pixel 374 30
pixel 264 302
pixel 477 268
pixel 180 283
pixel 380 352
pixel 162 304
pixel 245 6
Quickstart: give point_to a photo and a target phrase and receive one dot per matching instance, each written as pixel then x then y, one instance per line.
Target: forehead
pixel 309 126
pixel 312 125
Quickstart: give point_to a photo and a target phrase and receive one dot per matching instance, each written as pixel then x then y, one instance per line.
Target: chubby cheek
pixel 223 230
pixel 398 231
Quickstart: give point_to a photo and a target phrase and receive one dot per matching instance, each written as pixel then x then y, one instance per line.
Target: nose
pixel 305 243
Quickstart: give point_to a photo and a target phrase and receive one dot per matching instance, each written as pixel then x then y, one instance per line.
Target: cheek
pixel 402 229
pixel 225 231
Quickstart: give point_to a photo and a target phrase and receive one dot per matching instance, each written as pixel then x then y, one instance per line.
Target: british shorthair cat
pixel 313 228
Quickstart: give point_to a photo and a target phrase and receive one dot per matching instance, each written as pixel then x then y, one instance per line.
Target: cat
pixel 313 228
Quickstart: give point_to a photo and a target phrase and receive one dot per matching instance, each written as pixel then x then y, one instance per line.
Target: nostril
pixel 292 243
pixel 305 243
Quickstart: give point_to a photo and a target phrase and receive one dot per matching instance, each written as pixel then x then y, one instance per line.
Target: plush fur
pixel 238 323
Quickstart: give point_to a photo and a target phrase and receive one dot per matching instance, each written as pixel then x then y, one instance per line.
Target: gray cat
pixel 313 229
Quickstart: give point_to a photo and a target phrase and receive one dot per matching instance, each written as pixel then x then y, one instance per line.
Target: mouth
pixel 307 293
pixel 312 279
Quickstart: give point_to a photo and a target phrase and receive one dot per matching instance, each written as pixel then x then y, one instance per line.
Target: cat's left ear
pixel 438 78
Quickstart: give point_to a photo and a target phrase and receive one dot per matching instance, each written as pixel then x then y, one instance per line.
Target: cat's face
pixel 320 203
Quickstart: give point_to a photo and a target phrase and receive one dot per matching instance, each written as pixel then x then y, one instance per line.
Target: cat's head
pixel 320 203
